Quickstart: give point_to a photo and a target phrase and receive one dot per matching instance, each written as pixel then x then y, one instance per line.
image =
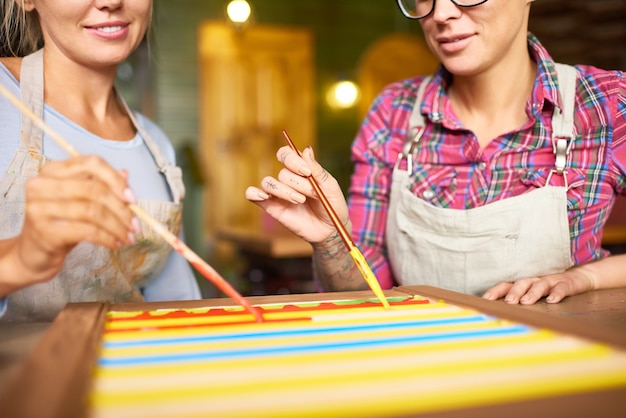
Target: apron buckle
pixel 561 147
pixel 562 173
pixel 409 148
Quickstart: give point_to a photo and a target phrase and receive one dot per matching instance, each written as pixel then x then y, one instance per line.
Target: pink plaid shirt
pixel 451 171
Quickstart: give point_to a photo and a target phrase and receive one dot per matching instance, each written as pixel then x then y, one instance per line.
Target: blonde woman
pixel 66 232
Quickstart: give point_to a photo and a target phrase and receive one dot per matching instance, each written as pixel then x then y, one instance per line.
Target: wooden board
pixel 333 358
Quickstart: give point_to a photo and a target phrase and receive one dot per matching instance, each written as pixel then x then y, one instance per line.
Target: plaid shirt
pixel 451 171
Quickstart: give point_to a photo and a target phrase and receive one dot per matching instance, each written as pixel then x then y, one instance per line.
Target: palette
pixel 433 353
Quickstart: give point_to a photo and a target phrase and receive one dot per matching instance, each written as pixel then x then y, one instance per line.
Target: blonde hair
pixel 20 33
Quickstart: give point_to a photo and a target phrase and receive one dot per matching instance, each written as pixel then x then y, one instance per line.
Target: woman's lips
pixel 109 30
pixel 454 44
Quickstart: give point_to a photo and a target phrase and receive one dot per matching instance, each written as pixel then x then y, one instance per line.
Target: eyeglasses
pixel 419 9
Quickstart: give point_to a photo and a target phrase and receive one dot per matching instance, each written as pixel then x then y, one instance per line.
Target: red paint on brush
pixel 228 289
pixel 214 278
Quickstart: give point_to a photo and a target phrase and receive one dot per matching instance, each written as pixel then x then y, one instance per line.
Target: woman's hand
pixel 554 287
pixel 292 201
pixel 79 199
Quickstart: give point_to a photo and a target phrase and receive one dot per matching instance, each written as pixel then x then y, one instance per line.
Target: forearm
pixel 606 273
pixel 334 267
pixel 9 267
pixel 18 271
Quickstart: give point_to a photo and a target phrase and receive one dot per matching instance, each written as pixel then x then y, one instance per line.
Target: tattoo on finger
pixel 269 184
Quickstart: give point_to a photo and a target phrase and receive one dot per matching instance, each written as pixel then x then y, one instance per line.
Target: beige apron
pixel 90 272
pixel 471 250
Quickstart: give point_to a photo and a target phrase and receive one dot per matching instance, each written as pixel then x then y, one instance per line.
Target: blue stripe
pixel 277 351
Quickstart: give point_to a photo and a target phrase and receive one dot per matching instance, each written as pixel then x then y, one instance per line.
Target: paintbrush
pixel 356 254
pixel 179 246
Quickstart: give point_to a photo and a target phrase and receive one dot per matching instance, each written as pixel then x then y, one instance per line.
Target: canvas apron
pixel 471 250
pixel 90 272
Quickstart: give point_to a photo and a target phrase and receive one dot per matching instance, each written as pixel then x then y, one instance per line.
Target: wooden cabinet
pixel 254 82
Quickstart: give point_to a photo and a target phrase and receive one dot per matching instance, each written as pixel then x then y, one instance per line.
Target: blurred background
pixel 223 90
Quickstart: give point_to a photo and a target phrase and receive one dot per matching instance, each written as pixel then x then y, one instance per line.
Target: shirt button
pixel 428 194
pixel 482 166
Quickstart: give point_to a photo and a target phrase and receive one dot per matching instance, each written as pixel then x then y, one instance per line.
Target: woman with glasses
pixel 494 176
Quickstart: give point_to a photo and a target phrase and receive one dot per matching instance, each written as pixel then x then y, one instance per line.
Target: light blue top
pixel 176 281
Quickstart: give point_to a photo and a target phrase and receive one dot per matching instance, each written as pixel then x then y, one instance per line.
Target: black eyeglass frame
pixel 408 15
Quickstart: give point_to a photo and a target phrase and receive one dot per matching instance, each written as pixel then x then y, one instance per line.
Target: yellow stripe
pixel 513 343
pixel 487 378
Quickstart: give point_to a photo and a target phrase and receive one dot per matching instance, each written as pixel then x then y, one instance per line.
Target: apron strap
pixel 416 122
pixel 31 94
pixel 172 173
pixel 416 126
pixel 563 120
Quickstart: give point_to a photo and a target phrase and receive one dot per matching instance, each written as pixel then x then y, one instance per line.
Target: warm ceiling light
pixel 343 94
pixel 238 11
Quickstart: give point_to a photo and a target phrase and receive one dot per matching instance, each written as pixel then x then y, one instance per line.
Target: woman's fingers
pixel 283 188
pixel 292 161
pixel 256 195
pixel 67 222
pixel 81 199
pixel 498 291
pixel 290 198
pixel 525 291
pixel 554 287
pixel 295 176
pixel 87 167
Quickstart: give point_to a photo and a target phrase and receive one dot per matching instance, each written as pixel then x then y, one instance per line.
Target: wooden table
pixel 278 243
pixel 604 310
pixel 16 341
pixel 602 307
pixel 278 261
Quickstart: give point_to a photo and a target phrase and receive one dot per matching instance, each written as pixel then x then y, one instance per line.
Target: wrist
pixel 587 277
pixel 20 268
pixel 331 247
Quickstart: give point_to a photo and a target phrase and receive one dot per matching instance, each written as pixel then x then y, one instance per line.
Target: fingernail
pixel 135 224
pixel 131 238
pixel 524 299
pixel 304 170
pixel 509 299
pixel 297 198
pixel 550 298
pixel 262 195
pixel 311 153
pixel 487 296
pixel 130 196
